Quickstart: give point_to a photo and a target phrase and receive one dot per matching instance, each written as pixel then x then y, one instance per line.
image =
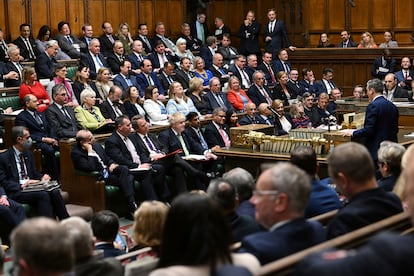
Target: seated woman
pixel 103 82
pixel 181 50
pixel 232 120
pixel 196 92
pixel 236 96
pixel 178 101
pixel 132 102
pixel 283 122
pixel 148 226
pixel 60 71
pixel 201 72
pixel 388 42
pixel 196 240
pixel 299 118
pixel 82 81
pixel 89 116
pixel 124 35
pixel 30 85
pixel 324 41
pixel 367 41
pixel 156 111
pixel 389 163
pixel 43 37
pixel 282 90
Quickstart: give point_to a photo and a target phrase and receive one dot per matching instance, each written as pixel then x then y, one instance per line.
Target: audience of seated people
pixel 178 101
pixel 133 102
pixel 196 94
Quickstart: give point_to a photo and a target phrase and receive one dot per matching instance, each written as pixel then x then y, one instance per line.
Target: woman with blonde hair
pixel 236 96
pixel 30 85
pixel 283 121
pixel 103 82
pixel 201 72
pixel 178 101
pixel 124 36
pixel 367 41
pixel 299 118
pixel 196 92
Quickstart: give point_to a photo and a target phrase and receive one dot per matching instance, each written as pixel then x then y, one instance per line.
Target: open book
pixel 42 186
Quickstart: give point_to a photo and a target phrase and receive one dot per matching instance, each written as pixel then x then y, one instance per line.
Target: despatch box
pixel 238 140
pixel 337 137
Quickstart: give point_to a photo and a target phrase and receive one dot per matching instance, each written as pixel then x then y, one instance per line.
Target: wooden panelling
pixel 403 12
pixel 146 14
pixel 96 15
pixel 57 14
pixel 360 16
pixel 382 12
pixel 113 13
pixel 75 15
pixel 39 21
pixel 176 20
pixel 130 15
pixel 316 14
pixel 336 11
pixel 16 10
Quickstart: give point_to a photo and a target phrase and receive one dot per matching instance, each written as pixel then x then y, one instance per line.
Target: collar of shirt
pixel 216 125
pixel 30 112
pixel 175 132
pixel 122 136
pixel 16 151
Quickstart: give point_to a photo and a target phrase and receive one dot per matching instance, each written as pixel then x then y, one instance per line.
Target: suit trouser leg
pixel 58 204
pixel 51 164
pixel 146 180
pixel 159 181
pixel 125 181
pixel 40 200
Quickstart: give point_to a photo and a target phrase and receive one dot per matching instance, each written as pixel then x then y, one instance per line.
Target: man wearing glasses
pixel 280 199
pixel 250 117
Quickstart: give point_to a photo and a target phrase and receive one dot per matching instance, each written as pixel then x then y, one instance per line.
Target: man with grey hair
pixel 381 120
pixel 14 65
pixel 86 264
pixel 94 59
pixel 280 198
pixel 41 247
pixel 45 62
pixel 226 197
pixel 244 183
pixel 352 170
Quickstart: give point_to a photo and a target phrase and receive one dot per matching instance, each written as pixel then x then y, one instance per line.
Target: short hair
pixel 293 181
pixel 120 120
pixel 86 93
pixel 353 160
pixel 391 153
pixel 262 107
pixel 243 180
pixel 27 99
pixel 51 43
pixel 191 115
pixel 327 70
pixel 12 48
pixel 85 25
pixel 134 121
pixel 113 89
pixel 305 71
pixel 210 83
pixel 226 35
pixel 17 131
pixel 59 66
pixel 210 40
pixel 50 248
pixel 194 84
pixel 24 25
pixel 304 157
pixel 158 43
pixel 149 221
pixel 176 117
pixel 217 110
pixel 105 225
pixel 257 72
pixel 223 193
pixel 376 85
pixel 184 58
pixel 80 233
pixel 195 233
pixel 323 95
pixel 92 42
pixel 61 24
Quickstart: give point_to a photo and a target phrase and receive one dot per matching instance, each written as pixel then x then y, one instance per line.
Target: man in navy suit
pixel 218 69
pixel 107 39
pixel 112 108
pixel 125 79
pixel 116 58
pixel 346 41
pixel 268 68
pixel 215 97
pixel 18 169
pixel 250 117
pixel 352 169
pixel 265 115
pixel 137 56
pixel 45 62
pixel 282 63
pixel 41 133
pixel 122 147
pixel 207 51
pixel 87 31
pixel 326 84
pixel 13 65
pixel 259 92
pixel 60 117
pixel 385 254
pixel 280 198
pixel 308 84
pixel 392 90
pixel 93 58
pixel 161 55
pixel 216 132
pixel 274 34
pixel 383 65
pixel 147 77
pixel 405 75
pixel 143 37
pixel 183 74
pixel 381 120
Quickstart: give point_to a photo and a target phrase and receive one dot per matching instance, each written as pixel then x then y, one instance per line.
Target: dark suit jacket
pixel 87 59
pixel 351 44
pixel 159 146
pixel 321 87
pixel 37 132
pixel 213 137
pixel 401 78
pixel 131 109
pixel 307 87
pixel 9 82
pixel 143 83
pixel 45 66
pixel 156 62
pixel 83 162
pixel 385 254
pixel 99 267
pixel 381 123
pixel 227 55
pixel 287 239
pixel 322 199
pixel 68 48
pixel 24 52
pixel 218 74
pixel 249 38
pixel 235 71
pixel 278 125
pixel 83 40
pixel 193 30
pixel 390 65
pixel 3 54
pixel 106 44
pixel 279 35
pixel 256 96
pixel 109 250
pixel 218 33
pixel 212 102
pixel 280 94
pixel 206 54
pixel 170 141
pixel 295 88
pixel 182 77
pixel 108 112
pixel 147 49
pixel 262 67
pixel 263 121
pixel 78 87
pixel 135 63
pixel 9 174
pixel 399 92
pixel 121 82
pixel 192 42
pixel 63 127
pixel 118 151
pixel 247 120
pixel 363 209
pixel 114 62
pixel 164 82
pixel 279 66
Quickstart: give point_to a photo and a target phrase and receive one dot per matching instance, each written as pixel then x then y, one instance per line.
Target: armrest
pixel 92 173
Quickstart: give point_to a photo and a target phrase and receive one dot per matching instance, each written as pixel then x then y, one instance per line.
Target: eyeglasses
pixel 265 192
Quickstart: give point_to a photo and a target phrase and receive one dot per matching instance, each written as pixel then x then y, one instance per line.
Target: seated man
pixel 11 214
pixel 383 65
pixel 352 170
pixel 90 156
pixel 125 78
pixel 250 117
pixel 322 197
pixel 324 117
pixel 392 90
pixel 41 132
pixel 18 169
pixel 226 197
pixel 281 196
pixel 41 247
pixel 215 97
pixel 122 147
pixel 265 115
pixel 216 132
pixel 116 58
pixel 105 226
pixel 81 236
pixel 45 62
pixel 113 107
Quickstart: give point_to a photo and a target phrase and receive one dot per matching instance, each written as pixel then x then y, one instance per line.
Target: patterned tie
pixel 23 173
pixel 148 142
pixel 30 49
pixel 223 135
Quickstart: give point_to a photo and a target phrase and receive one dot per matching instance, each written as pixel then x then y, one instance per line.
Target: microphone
pixel 272 110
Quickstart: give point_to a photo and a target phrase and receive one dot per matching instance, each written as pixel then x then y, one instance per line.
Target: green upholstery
pixel 10 101
pixel 71 72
